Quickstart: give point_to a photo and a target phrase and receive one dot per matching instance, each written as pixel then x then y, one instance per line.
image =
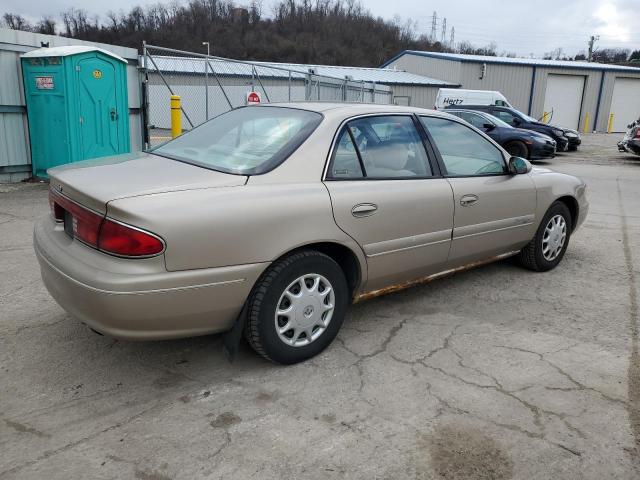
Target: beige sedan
pixel 273 219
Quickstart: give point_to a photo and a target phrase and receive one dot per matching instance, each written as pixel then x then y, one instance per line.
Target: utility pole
pixel 453 36
pixel 444 31
pixel 592 40
pixel 434 22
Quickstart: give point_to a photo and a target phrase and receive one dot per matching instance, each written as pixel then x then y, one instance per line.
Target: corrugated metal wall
pixel 429 67
pixel 515 82
pixel 14 141
pixel 512 81
pixel 419 96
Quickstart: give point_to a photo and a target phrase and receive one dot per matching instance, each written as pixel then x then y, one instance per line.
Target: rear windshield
pixel 246 141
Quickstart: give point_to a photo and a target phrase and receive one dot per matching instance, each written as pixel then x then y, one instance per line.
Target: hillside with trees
pixel 340 32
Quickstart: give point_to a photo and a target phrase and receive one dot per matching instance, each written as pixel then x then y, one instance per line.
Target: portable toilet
pixel 77 105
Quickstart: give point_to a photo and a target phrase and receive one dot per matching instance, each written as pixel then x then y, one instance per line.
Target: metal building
pixel 571 93
pixel 15 154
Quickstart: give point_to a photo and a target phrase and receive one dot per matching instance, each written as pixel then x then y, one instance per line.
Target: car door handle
pixel 468 200
pixel 364 209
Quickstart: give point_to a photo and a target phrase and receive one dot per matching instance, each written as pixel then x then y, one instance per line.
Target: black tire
pixel 260 329
pixel 572 148
pixel 532 256
pixel 517 149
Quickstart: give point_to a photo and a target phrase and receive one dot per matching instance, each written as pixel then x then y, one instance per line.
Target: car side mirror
pixel 518 165
pixel 488 126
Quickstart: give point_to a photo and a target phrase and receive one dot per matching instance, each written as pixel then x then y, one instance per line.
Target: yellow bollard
pixel 176 116
pixel 545 117
pixel 610 126
pixel 586 123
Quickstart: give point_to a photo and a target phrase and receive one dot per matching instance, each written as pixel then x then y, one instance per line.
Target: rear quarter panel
pixel 238 225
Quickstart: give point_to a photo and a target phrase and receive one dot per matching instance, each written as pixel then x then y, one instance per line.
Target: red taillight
pixel 123 240
pixel 85 222
pixel 99 232
pixel 57 211
pixel 638 133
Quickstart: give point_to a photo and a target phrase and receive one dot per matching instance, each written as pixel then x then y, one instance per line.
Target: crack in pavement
pixel 64 448
pixel 536 411
pixel 578 385
pixel 633 372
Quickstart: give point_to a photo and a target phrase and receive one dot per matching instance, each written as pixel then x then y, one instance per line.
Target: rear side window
pixel 464 152
pixel 346 163
pixel 385 147
pixel 245 141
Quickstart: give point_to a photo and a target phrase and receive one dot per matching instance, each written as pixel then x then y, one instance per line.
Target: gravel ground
pixel 493 373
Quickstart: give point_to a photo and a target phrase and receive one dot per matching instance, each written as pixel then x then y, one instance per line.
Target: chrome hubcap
pixel 555 234
pixel 304 310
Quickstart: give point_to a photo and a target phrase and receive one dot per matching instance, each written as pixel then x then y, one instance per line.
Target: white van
pixel 458 96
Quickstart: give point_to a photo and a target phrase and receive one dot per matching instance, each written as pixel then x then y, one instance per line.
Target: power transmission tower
pixel 592 40
pixel 434 22
pixel 453 35
pixel 444 31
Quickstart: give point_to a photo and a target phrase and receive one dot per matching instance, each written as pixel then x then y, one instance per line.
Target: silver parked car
pixel 275 218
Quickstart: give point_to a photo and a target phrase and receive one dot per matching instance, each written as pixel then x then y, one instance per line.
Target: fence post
pixel 610 126
pixel 206 87
pixel 362 91
pixel 253 81
pixel 373 93
pixel 146 141
pixel 289 85
pixel 176 116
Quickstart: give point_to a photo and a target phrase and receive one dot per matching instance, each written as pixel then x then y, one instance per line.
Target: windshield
pixel 526 117
pixel 245 141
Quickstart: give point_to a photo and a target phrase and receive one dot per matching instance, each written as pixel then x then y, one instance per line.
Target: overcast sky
pixel 522 27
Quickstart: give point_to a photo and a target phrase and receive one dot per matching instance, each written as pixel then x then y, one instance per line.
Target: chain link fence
pixel 209 86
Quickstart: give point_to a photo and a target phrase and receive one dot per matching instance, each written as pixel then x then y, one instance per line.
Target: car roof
pixel 335 109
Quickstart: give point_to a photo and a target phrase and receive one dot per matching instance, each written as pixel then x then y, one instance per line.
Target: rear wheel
pixel 517 149
pixel 297 307
pixel 550 243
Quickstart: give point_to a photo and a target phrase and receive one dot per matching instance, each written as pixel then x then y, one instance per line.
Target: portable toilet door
pixel 77 105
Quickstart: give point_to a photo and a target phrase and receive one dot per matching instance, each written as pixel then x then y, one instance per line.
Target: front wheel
pixel 550 243
pixel 297 307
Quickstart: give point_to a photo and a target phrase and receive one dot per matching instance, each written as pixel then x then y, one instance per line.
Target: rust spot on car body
pixel 422 280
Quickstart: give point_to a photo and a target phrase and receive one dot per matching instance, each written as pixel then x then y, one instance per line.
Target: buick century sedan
pixel 273 219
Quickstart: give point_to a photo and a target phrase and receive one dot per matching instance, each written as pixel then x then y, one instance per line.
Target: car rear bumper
pixel 142 303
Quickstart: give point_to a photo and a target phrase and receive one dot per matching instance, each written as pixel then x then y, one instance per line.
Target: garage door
pixel 564 99
pixel 625 104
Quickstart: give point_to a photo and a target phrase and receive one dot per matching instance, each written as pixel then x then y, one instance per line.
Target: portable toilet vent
pixel 77 105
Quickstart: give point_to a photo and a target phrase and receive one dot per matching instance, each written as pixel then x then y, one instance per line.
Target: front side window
pixel 385 147
pixel 464 152
pixel 246 141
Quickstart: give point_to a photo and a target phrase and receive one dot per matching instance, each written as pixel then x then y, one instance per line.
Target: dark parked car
pixel 566 138
pixel 630 143
pixel 518 142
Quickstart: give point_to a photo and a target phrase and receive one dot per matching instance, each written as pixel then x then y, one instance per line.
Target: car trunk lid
pixel 94 183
